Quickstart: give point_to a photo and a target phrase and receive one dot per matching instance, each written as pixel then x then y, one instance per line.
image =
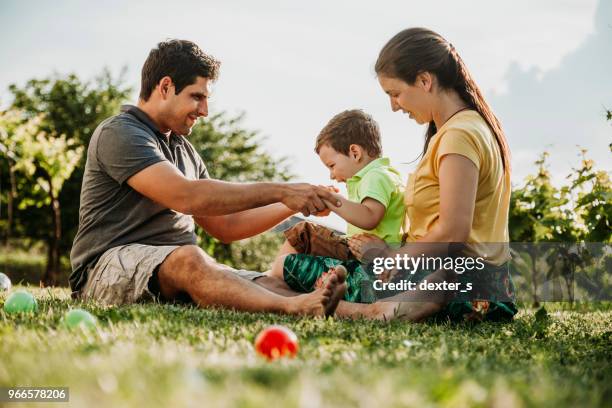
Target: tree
pixel 578 213
pixel 47 160
pixel 539 213
pixel 564 261
pixel 593 201
pixel 591 196
pixel 70 107
pixel 9 121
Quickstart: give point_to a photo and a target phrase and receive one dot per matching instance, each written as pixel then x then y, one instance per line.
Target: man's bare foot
pixel 322 301
pixel 313 303
pixel 340 273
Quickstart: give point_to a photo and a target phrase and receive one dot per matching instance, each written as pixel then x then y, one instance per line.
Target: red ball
pixel 276 341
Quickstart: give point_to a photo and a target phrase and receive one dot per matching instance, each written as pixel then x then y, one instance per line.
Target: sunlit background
pixel 545 66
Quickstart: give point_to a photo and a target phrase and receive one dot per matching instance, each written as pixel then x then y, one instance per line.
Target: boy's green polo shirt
pixel 381 182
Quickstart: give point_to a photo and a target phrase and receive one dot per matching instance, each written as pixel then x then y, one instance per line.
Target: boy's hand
pixel 306 198
pixel 333 189
pixel 323 213
pixel 327 211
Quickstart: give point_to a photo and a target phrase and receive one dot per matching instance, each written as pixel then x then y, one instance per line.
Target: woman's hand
pixel 366 247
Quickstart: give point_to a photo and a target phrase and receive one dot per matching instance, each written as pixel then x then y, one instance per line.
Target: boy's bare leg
pixel 276 271
pixel 387 310
pixel 383 310
pixel 344 309
pixel 286 249
pixel 208 283
pixel 403 306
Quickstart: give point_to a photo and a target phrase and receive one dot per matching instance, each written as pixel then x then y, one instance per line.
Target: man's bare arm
pixel 244 224
pixel 165 184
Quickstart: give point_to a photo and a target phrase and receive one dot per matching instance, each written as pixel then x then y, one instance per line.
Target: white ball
pixel 5 283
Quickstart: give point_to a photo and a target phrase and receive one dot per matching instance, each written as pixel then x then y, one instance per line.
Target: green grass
pixel 167 355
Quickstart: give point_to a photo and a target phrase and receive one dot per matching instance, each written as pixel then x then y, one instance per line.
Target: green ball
pixel 20 301
pixel 79 318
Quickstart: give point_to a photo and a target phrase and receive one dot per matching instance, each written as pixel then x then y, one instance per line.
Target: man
pixel 143 187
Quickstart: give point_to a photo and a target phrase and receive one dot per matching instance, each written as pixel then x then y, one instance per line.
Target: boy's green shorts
pixel 301 272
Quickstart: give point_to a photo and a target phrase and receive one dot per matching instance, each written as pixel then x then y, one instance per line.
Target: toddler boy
pixel 350 147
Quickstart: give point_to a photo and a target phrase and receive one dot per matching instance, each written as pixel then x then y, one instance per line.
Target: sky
pixel 543 66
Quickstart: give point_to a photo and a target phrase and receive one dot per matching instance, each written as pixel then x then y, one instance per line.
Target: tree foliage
pixel 45 159
pixel 592 192
pixel 578 212
pixel 538 209
pixel 72 107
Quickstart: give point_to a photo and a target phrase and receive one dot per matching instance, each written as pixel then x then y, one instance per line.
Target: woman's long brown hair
pixel 416 50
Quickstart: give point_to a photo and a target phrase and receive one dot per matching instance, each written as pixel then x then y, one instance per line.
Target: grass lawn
pixel 165 356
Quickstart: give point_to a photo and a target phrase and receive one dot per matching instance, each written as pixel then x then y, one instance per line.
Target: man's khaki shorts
pixel 122 274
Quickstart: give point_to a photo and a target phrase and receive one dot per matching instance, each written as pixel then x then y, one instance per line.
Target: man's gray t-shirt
pixel 111 212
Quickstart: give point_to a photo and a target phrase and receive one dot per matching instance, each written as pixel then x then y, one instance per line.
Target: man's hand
pixel 307 199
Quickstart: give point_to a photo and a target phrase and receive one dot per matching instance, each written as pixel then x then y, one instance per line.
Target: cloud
pixel 562 107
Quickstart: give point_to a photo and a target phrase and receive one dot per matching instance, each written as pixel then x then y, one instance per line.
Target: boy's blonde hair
pixel 351 127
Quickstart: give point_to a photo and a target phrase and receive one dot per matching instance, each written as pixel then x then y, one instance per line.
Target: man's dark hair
pixel 351 127
pixel 181 60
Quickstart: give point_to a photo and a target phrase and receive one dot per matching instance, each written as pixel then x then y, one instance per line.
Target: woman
pixel 460 191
